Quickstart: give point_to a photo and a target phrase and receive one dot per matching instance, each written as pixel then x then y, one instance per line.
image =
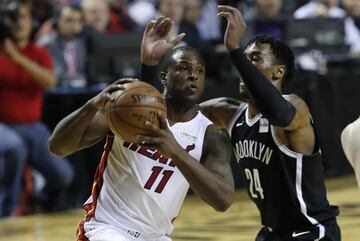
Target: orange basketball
pixel 139 102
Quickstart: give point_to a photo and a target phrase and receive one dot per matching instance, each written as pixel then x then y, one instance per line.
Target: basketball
pixel 132 107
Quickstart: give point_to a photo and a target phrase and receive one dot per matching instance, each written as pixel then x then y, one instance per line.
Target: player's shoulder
pixel 351 131
pixel 296 101
pixel 220 110
pixel 216 138
pixel 293 97
pixel 221 102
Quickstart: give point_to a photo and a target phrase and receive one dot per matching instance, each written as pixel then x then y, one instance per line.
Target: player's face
pixel 262 56
pixel 185 78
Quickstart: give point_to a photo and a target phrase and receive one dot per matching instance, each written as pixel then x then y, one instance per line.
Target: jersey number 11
pixel 154 175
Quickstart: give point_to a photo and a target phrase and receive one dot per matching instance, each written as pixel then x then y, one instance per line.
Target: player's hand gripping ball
pixel 137 103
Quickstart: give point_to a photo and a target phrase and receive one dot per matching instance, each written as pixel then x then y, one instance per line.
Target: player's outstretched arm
pixel 268 99
pixel 85 126
pixel 156 44
pixel 211 179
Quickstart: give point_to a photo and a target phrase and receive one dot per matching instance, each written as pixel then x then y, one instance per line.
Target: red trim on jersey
pixel 96 188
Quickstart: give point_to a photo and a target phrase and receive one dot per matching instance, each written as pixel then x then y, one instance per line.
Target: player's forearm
pixel 209 186
pixel 68 133
pixel 267 98
pixel 149 74
pixel 44 77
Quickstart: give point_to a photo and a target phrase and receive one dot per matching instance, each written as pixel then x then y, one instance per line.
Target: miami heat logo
pixel 157 171
pixel 155 154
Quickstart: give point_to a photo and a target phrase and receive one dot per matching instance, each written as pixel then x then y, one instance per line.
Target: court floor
pixel 197 221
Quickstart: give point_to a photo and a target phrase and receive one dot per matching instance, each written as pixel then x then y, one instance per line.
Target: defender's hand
pixel 236 26
pixel 155 43
pixel 106 95
pixel 162 140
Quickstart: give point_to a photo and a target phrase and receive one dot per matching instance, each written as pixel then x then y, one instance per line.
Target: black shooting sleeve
pixel 267 99
pixel 149 74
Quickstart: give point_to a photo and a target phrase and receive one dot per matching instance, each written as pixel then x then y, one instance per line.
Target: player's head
pixel 273 58
pixel 183 76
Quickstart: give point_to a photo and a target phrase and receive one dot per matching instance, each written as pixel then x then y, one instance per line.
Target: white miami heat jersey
pixel 141 189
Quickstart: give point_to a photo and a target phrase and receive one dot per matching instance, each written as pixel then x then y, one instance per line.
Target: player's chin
pixel 194 98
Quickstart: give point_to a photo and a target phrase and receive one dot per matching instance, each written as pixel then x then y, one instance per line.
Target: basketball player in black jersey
pixel 272 136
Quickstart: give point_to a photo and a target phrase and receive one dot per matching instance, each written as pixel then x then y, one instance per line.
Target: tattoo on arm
pixel 218 155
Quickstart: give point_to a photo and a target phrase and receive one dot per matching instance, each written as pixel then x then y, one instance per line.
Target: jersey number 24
pixel 255 188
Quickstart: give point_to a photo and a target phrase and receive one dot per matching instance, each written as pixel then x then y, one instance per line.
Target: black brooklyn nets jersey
pixel 287 187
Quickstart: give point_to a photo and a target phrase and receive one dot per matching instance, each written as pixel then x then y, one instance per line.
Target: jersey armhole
pixel 239 111
pixel 287 151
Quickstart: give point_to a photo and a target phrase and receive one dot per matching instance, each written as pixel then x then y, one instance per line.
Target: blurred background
pixel 91 43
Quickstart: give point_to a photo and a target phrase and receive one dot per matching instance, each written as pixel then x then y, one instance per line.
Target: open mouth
pixel 192 87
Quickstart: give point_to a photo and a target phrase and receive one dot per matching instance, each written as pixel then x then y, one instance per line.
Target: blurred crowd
pixel 46 45
pixel 66 27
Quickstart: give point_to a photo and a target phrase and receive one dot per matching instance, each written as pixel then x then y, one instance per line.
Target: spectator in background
pixel 68 2
pixel 43 11
pixel 96 15
pixel 188 25
pixel 352 7
pixel 174 9
pixel 266 18
pixel 320 8
pixel 120 20
pixel 12 160
pixel 330 8
pixel 42 16
pixel 142 11
pixel 26 71
pixel 67 49
pixel 209 24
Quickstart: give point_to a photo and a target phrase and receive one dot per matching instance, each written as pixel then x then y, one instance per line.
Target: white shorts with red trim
pixel 96 231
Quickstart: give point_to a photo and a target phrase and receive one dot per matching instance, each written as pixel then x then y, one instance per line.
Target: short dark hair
pixel 169 57
pixel 282 52
pixel 59 10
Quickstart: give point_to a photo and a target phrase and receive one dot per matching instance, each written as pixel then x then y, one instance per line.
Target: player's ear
pixel 163 78
pixel 279 72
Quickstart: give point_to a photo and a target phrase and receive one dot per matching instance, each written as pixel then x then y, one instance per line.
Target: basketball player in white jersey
pixel 351 145
pixel 139 189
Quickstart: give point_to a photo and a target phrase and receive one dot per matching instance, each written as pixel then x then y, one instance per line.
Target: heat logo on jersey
pixel 253 149
pixel 154 154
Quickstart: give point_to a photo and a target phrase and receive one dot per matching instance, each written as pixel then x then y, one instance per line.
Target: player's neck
pixel 252 110
pixel 181 114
